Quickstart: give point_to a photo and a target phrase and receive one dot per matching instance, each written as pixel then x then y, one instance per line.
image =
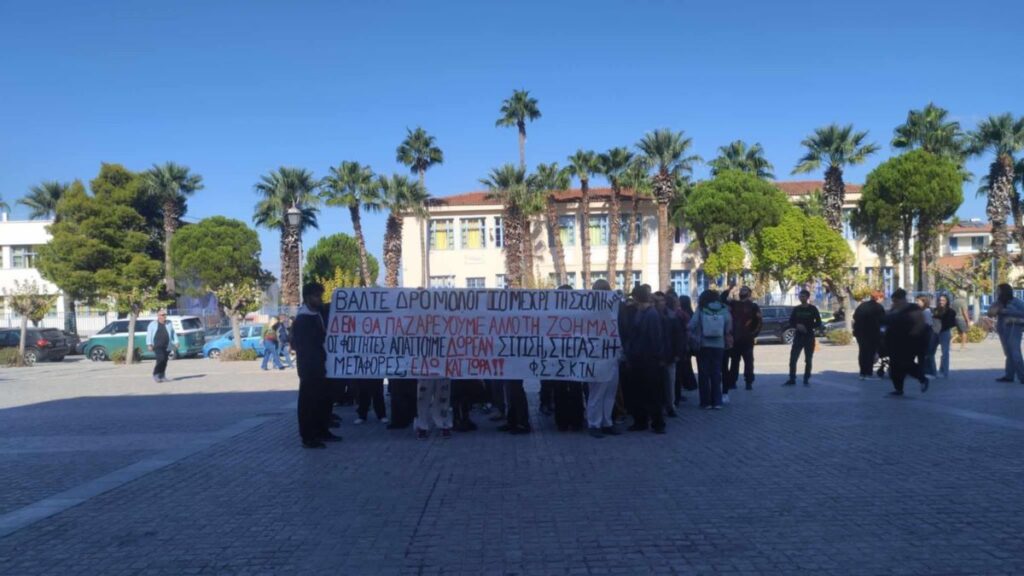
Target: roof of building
pixel 956 262
pixel 969 226
pixel 791 188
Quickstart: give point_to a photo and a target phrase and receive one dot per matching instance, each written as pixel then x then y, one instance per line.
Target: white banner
pixel 468 334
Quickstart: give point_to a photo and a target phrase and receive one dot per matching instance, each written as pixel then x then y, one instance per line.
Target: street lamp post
pixel 294 218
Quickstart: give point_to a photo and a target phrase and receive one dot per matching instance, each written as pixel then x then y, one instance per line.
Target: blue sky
pixel 235 89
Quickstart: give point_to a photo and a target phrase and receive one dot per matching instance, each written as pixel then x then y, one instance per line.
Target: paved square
pixel 203 475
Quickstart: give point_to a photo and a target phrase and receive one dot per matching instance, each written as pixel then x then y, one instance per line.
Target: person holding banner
pixel 646 363
pixel 601 399
pixel 309 333
pixel 433 407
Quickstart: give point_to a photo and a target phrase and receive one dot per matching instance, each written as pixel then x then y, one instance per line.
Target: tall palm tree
pixel 279 191
pixel 582 165
pixel 398 195
pixel 353 186
pixel 930 130
pixel 170 184
pixel 42 199
pixel 1003 136
pixel 419 151
pixel 512 188
pixel 737 156
pixel 839 146
pixel 614 163
pixel 517 111
pixel 637 180
pixel 551 179
pixel 666 150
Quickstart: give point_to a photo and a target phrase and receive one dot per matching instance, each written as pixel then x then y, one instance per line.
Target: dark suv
pixel 41 344
pixel 776 324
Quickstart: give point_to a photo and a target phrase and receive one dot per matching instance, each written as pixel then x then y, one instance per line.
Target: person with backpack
pixel 867 329
pixel 284 340
pixel 645 351
pixel 804 320
pixel 270 347
pixel 711 334
pixel 746 322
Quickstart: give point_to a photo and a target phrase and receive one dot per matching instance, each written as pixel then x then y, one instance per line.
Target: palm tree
pixel 510 185
pixel 736 156
pixel 1003 136
pixel 42 199
pixel 516 111
pixel 613 164
pixel 281 190
pixel 419 151
pixel 637 180
pixel 666 151
pixel 931 131
pixel 549 180
pixel 582 165
pixel 398 195
pixel 353 186
pixel 170 184
pixel 840 146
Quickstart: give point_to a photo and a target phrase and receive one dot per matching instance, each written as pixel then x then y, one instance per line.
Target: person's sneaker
pixel 596 433
pixel 329 437
pixel 708 407
pixel 611 431
pixel 359 421
pixel 789 382
pixel 1004 379
pixel 422 434
pixel 719 407
pixel 446 433
pixel 862 377
pixel 896 393
pixel 156 379
pixel 313 444
pixel 924 384
pixel 384 420
pixel 725 398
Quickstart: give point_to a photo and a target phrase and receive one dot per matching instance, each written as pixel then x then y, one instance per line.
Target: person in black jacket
pixel 646 354
pixel 675 346
pixel 746 325
pixel 867 329
pixel 309 333
pixel 804 320
pixel 568 399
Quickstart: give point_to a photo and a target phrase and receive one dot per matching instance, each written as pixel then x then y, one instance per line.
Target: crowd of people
pixel 661 334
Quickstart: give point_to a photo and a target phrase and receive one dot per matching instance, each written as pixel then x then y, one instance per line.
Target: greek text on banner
pixel 468 334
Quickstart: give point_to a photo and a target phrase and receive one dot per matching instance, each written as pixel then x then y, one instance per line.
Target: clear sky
pixel 236 89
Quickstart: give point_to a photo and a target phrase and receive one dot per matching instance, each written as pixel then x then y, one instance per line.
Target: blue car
pixel 252 339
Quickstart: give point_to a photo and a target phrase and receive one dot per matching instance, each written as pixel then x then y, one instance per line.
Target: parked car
pixel 216 332
pixel 41 344
pixel 114 337
pixel 252 339
pixel 776 324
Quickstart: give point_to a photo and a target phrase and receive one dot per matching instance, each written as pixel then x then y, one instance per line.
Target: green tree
pixel 737 156
pixel 337 252
pixel 916 189
pixel 551 180
pixel 280 191
pixel 800 249
pixel 582 165
pixel 666 151
pixel 42 198
pixel 614 164
pixel 171 184
pixel 838 147
pixel 812 204
pixel 222 256
pixel 514 190
pixel 419 151
pixel 1002 136
pixel 732 207
pixel 929 129
pixel 399 196
pixel 115 183
pixel 354 186
pixel 29 301
pixel 516 111
pixel 637 181
pixel 726 261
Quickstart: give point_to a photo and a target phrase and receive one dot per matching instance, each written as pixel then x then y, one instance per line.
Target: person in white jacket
pixel 601 399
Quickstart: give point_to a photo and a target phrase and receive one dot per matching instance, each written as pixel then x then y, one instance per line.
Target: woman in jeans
pixel 931 338
pixel 943 319
pixel 711 334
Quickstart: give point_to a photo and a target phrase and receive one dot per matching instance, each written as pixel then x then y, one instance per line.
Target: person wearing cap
pixel 160 340
pixel 867 329
pixel 746 325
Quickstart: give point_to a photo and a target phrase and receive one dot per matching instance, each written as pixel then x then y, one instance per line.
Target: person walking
pixel 746 323
pixel 711 334
pixel 270 348
pixel 944 319
pixel 1009 311
pixel 308 335
pixel 284 340
pixel 963 317
pixel 433 407
pixel 804 320
pixel 931 337
pixel 161 340
pixel 867 329
pixel 601 400
pixel 905 339
pixel 646 359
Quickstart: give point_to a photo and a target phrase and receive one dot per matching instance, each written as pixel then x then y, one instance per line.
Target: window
pixel 620 281
pixel 595 276
pixel 499 281
pixel 191 324
pixel 442 281
pixel 442 237
pixel 499 239
pixel 567 230
pixel 23 256
pixel 598 230
pixel 627 220
pixel 954 243
pixel 977 243
pixel 682 235
pixel 680 282
pixel 475 283
pixel 473 230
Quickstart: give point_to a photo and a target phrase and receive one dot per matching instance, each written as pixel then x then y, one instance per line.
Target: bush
pixel 975 334
pixel 838 337
pixel 9 357
pixel 119 356
pixel 236 355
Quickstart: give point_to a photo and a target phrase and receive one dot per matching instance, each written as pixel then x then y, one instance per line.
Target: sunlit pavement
pixel 105 472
